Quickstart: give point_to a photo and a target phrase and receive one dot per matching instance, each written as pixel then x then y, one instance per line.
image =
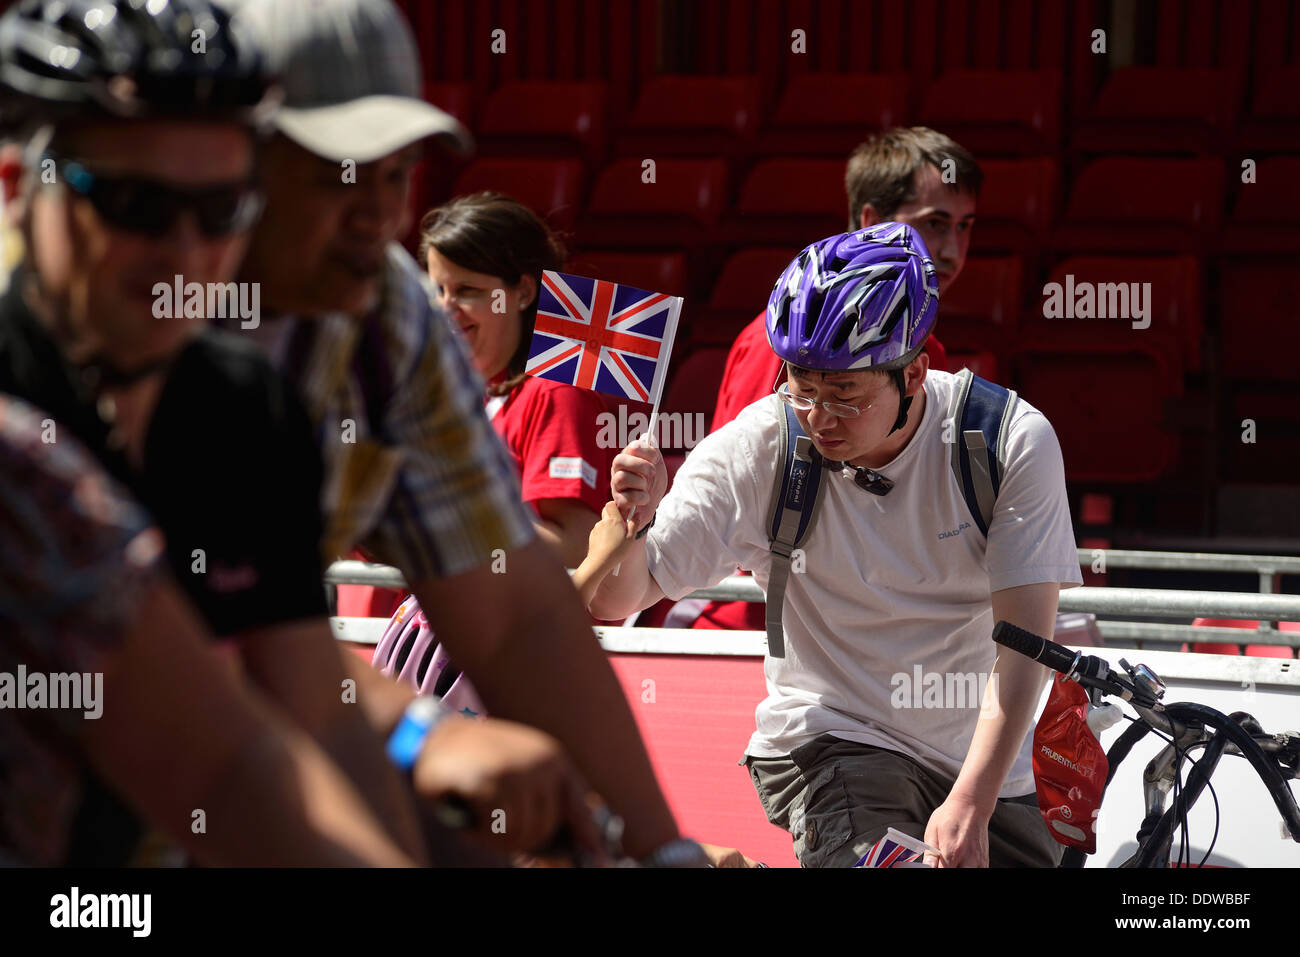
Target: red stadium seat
pixel 983 363
pixel 740 293
pixel 789 201
pixel 454 98
pixel 1259 327
pixel 551 188
pixel 657 272
pixel 1017 205
pixel 1106 402
pixel 1161 110
pixel 1267 211
pixel 828 114
pixel 714 116
pixel 983 306
pixel 992 113
pixel 1174 304
pixel 1273 122
pixel 626 211
pixel 1258 651
pixel 547 118
pixel 1127 204
pixel 693 390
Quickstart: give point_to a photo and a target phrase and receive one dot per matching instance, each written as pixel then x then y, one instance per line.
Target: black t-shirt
pixel 232 472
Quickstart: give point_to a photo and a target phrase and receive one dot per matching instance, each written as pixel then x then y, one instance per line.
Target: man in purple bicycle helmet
pixel 886 703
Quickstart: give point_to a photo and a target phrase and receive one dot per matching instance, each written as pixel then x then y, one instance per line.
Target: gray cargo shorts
pixel 837 798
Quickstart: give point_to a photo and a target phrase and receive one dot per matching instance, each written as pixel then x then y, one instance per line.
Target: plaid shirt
pixel 414 472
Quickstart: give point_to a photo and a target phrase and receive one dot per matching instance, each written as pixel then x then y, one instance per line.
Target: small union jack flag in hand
pixel 895 849
pixel 603 336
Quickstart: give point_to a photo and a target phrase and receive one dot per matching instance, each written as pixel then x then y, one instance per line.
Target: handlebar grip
pixel 1056 657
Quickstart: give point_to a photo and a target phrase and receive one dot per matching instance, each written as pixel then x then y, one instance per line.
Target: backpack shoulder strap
pixel 795 497
pixel 980 414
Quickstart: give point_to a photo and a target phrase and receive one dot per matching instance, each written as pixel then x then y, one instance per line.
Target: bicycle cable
pixel 1214 839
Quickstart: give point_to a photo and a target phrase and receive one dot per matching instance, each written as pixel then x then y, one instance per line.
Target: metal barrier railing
pixel 1265 605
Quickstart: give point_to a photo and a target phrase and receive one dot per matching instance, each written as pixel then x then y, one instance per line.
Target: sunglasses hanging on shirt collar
pixel 863 477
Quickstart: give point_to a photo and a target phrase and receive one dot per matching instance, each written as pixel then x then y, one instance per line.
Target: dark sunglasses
pixel 150 208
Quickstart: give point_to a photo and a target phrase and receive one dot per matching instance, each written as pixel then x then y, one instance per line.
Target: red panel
pixel 594 18
pixel 893 52
pixel 990 32
pixel 858 103
pixel 565 30
pixel 793 187
pixel 953 31
pixel 801 15
pixel 1274 197
pixel 748 277
pixel 1088 387
pixel 772 54
pixel 618 41
pixel 551 188
pixel 448 41
pixel 830 38
pixel 510 65
pixel 1018 31
pixel 689 188
pixel 1169 26
pixel 1176 319
pixel 696 728
pixel 990 289
pixel 482 60
pixel 925 38
pixel 997 112
pixel 738 35
pixel 1175 192
pixel 647 38
pixel 1202 33
pixel 555 116
pixel 1271 23
pixel 694 385
pixel 1260 324
pixel 1019 191
pixel 657 272
pixel 710 36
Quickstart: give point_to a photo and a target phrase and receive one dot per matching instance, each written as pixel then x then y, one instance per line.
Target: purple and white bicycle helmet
pixel 860 300
pixel 857 301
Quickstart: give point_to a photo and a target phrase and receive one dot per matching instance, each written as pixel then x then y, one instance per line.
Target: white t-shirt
pixel 888 628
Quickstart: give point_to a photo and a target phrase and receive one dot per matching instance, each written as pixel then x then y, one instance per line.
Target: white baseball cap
pixel 350 71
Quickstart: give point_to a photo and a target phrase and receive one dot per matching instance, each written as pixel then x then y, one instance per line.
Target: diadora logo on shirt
pixel 953 533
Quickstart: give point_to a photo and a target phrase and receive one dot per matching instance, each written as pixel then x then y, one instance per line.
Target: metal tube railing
pixel 1264 606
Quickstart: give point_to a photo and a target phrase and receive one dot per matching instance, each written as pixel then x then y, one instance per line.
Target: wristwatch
pixel 679 852
pixel 646 527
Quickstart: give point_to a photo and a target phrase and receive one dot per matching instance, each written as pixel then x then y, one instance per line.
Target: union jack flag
pixel 603 336
pixel 893 850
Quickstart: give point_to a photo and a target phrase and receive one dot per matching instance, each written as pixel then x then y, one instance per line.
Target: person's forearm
pixel 1010 701
pixel 618 596
pixel 382 699
pixel 533 660
pixel 283 803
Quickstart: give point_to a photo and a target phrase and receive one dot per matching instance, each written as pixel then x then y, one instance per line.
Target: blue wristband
pixel 422 715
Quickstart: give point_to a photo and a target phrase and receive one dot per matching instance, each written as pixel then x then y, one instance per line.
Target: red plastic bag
pixel 1070 766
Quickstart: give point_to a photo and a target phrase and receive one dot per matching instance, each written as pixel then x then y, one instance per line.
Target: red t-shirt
pixel 551 431
pixel 752 368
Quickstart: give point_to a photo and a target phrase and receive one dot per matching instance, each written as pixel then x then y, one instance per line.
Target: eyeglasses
pixel 805 404
pixel 150 208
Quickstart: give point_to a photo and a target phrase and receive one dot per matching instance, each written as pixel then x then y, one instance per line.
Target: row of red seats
pixel 1139 109
pixel 1116 204
pixel 999 303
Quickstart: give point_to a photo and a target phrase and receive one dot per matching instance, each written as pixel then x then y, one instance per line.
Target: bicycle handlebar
pixel 1141 688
